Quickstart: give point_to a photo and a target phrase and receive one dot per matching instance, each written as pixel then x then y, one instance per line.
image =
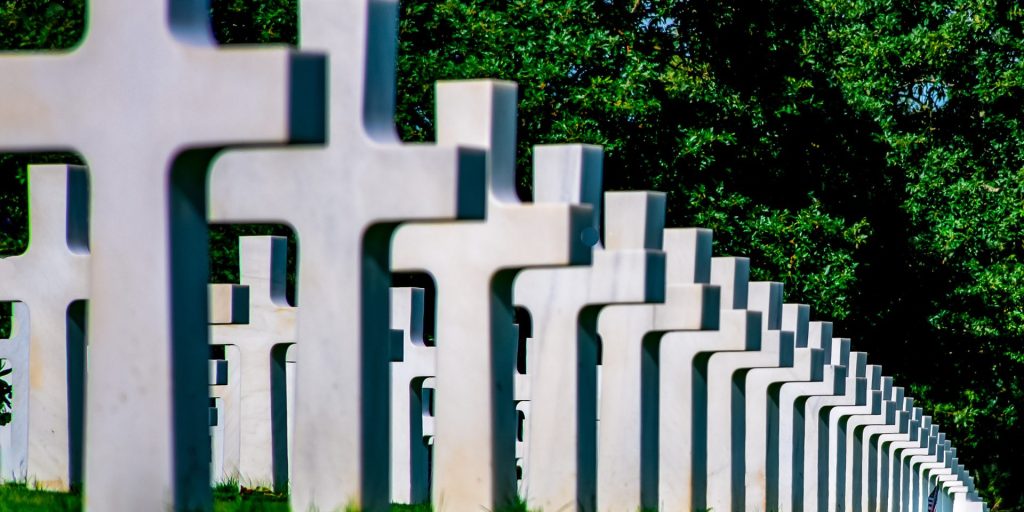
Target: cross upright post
pixel 474 265
pixel 889 474
pixel 921 485
pixel 409 460
pixel 832 474
pixel 762 402
pixel 344 200
pixel 792 397
pixel 51 275
pixel 860 431
pixel 727 375
pixel 885 443
pixel 912 464
pixel 817 409
pixel 564 304
pixel 631 337
pixel 681 457
pixel 166 99
pixel 261 342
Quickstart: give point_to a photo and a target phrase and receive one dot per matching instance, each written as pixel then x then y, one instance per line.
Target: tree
pixel 867 153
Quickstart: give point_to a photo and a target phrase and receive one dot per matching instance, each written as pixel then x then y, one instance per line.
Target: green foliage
pixel 6 394
pixel 17 497
pixel 868 153
pixel 41 24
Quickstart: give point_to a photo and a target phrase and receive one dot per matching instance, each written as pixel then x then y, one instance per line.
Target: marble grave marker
pixel 344 199
pixel 167 99
pixel 473 265
pixel 48 278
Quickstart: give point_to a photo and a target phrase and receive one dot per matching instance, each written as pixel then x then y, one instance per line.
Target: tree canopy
pixel 867 153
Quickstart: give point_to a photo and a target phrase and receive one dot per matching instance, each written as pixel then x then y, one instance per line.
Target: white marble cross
pixel 879 495
pixel 921 484
pixel 901 466
pixel 409 461
pixel 51 275
pixel 889 488
pixel 792 398
pixel 762 404
pixel 631 337
pixel 860 429
pixel 14 352
pixel 873 453
pixel 833 473
pixel 817 411
pixel 937 476
pixel 683 386
pixel 474 265
pixel 564 304
pixel 147 103
pixel 261 342
pixel 344 200
pixel 911 470
pixel 727 374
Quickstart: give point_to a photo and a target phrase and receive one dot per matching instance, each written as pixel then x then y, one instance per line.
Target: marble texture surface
pixel 344 200
pixel 52 274
pixel 682 419
pixel 418 362
pixel 632 339
pixel 564 304
pixel 832 479
pixel 792 396
pixel 474 264
pixel 147 309
pixel 890 463
pixel 816 413
pixel 727 377
pixel 884 443
pixel 762 388
pixel 859 429
pixel 261 341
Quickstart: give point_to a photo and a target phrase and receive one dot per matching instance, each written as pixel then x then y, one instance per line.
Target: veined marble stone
pixel 344 200
pixel 14 353
pixel 51 275
pixel 474 265
pixel 832 470
pixel 410 464
pixel 816 431
pixel 630 335
pixel 727 374
pixel 148 264
pixel 564 304
pixel 859 429
pixel 792 398
pixel 762 404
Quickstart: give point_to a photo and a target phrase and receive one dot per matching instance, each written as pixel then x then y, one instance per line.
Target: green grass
pixel 227 497
pixel 17 497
